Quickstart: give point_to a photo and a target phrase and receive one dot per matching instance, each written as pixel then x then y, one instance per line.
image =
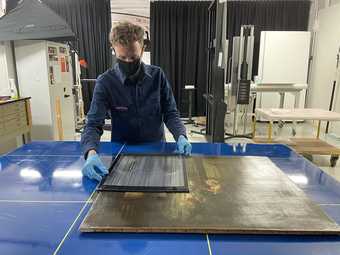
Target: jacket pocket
pixel 152 107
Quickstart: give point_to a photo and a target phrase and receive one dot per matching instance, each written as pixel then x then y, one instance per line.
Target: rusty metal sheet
pixel 147 173
pixel 235 195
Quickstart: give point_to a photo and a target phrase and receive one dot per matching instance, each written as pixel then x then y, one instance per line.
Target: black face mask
pixel 129 68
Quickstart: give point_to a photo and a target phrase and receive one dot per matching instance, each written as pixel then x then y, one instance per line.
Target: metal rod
pixel 245 119
pixel 318 132
pixel 331 104
pixel 270 128
pixel 190 105
pixel 282 99
pixel 334 86
pixel 254 125
pixel 235 120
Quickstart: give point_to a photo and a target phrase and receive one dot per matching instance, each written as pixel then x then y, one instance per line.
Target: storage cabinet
pixel 15 118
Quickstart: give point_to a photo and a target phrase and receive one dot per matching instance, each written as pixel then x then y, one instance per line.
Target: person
pixel 136 96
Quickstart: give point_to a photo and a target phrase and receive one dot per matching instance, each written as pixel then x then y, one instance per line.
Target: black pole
pixel 218 79
pixel 16 79
pixel 334 86
pixel 331 104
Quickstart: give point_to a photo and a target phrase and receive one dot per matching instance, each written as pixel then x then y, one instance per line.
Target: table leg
pixel 270 130
pixel 334 159
pixel 282 99
pixel 297 100
pixel 294 128
pixel 27 137
pixel 318 132
pixel 254 126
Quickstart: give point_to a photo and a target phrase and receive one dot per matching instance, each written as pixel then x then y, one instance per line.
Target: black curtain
pixel 91 22
pixel 267 15
pixel 178 31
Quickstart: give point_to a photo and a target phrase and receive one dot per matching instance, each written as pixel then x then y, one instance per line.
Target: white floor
pixel 302 130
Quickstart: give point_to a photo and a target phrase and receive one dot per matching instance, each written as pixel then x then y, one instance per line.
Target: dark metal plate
pixel 147 173
pixel 235 195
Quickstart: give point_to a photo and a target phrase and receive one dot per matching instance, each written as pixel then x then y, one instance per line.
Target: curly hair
pixel 126 33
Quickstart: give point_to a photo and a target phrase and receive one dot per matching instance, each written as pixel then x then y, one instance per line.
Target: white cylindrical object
pixel 13 89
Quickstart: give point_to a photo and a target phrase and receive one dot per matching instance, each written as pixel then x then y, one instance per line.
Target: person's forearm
pixel 95 120
pixel 90 139
pixel 171 115
pixel 175 125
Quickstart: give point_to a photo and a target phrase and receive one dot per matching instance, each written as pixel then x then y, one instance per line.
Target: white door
pixel 61 89
pixel 67 103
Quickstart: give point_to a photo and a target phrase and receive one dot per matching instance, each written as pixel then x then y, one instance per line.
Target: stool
pixel 190 89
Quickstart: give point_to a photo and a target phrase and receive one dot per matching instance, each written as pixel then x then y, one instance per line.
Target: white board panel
pixel 4 77
pixel 284 57
pixel 33 82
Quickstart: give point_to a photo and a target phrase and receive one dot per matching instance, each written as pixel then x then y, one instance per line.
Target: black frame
pixel 154 189
pixel 216 108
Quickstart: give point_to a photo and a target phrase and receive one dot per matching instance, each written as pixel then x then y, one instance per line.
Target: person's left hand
pixel 183 145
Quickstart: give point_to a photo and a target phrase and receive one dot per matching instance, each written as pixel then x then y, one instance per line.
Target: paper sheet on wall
pixel 63 64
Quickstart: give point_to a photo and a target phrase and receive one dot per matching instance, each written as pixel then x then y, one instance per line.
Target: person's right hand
pixel 94 167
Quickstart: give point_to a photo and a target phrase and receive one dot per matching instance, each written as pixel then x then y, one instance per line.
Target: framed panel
pixel 229 195
pixel 147 173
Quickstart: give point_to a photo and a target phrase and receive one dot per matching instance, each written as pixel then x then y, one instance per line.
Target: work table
pixel 44 198
pixel 2 102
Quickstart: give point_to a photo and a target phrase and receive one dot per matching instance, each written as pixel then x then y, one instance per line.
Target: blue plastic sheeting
pixel 73 149
pixel 117 243
pixel 42 192
pixel 261 245
pixel 34 228
pixel 36 178
pixel 266 150
pixel 333 211
pixel 67 149
pixel 319 186
pixel 278 245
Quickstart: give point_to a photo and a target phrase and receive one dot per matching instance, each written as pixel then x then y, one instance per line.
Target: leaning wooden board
pixel 234 195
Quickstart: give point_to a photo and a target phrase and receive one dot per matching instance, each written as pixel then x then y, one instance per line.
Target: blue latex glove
pixel 183 145
pixel 94 168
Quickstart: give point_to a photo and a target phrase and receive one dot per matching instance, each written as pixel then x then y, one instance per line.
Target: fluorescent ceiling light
pixel 67 174
pixel 29 173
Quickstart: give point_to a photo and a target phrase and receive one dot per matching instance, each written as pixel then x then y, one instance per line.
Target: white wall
pixel 327 44
pixel 10 63
pixel 5 68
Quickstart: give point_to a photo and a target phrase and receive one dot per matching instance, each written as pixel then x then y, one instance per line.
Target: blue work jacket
pixel 138 109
